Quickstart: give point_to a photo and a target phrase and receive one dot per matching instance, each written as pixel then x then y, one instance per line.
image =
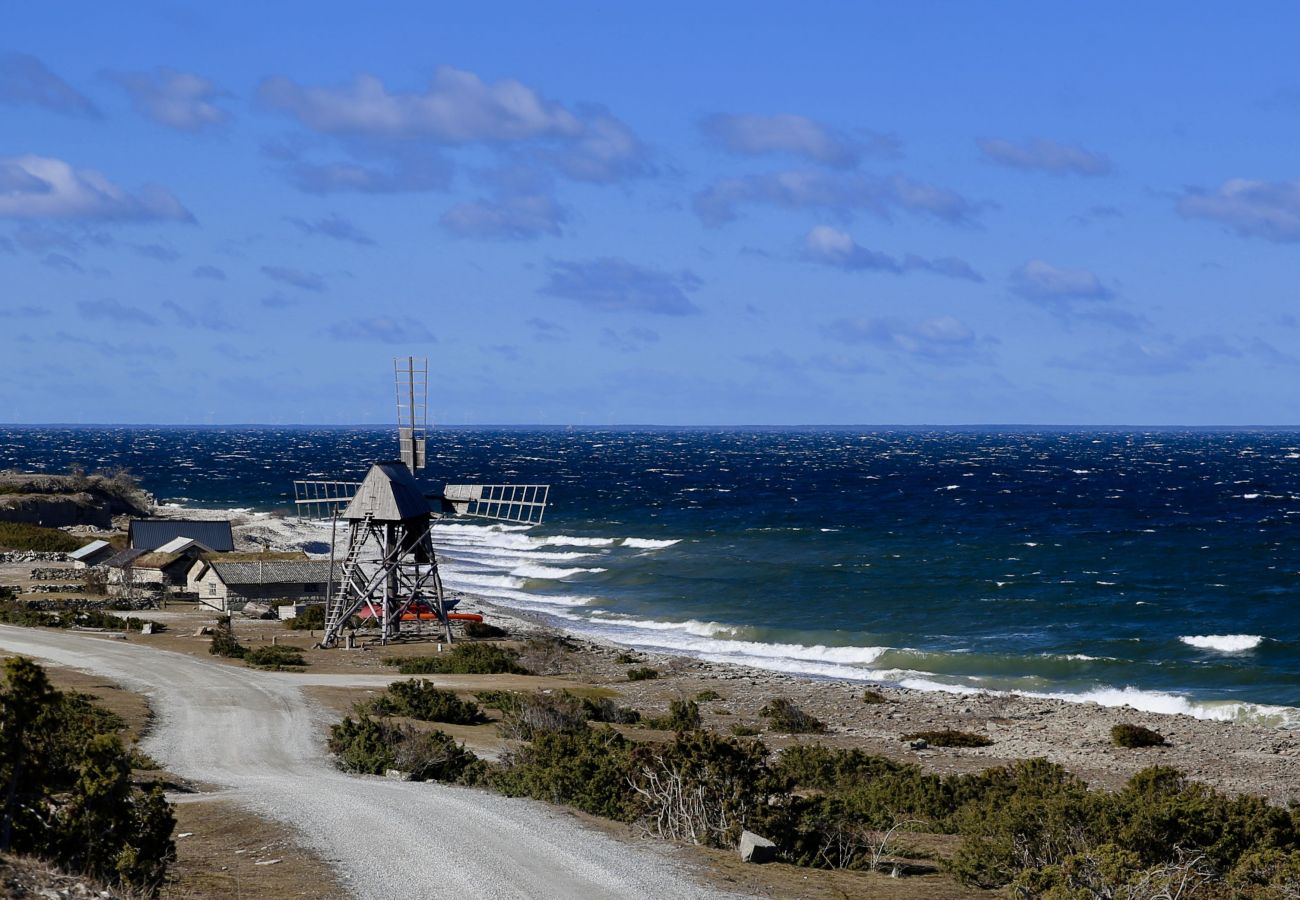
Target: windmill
pixel 390 573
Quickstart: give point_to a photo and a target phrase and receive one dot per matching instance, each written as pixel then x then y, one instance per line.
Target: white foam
pixel 1224 643
pixel 690 626
pixel 548 572
pixel 564 540
pixel 648 543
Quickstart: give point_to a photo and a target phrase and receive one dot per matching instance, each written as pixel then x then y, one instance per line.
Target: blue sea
pixel 1159 569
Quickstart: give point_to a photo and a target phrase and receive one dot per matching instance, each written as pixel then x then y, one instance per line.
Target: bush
pixel 870 696
pixel 371 746
pixel 21 536
pixel 947 737
pixel 625 659
pixel 604 709
pixel 274 657
pixel 65 786
pixel 224 642
pixel 545 655
pixel 501 700
pixel 683 715
pixel 481 630
pixel 310 619
pixel 536 714
pixel 701 788
pixel 744 731
pixel 708 695
pixel 587 768
pixel 419 699
pixel 785 717
pixel 1125 735
pixel 463 659
pixel 644 673
pixel 72 616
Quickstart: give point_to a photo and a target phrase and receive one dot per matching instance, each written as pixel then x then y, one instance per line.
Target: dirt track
pixel 256 735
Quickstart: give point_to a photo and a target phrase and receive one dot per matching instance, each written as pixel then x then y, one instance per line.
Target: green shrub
pixel 1126 735
pixel 739 730
pixel 224 642
pixel 683 715
pixel 312 618
pixel 536 714
pixel 419 699
pixel 65 786
pixel 371 746
pixel 501 700
pixel 588 769
pixel 21 536
pixel 625 659
pixel 706 696
pixel 871 697
pixel 275 658
pixel 17 613
pixel 644 673
pixel 700 787
pixel 463 659
pixel 483 630
pixel 604 709
pixel 948 737
pixel 785 717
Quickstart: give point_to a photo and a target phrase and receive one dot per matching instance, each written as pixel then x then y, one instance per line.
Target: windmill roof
pixel 305 571
pixel 150 534
pixel 389 493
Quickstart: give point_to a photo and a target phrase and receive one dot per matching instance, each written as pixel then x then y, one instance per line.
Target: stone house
pixel 227 586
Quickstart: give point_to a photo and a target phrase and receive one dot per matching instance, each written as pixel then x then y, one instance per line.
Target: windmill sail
pixel 522 503
pixel 322 499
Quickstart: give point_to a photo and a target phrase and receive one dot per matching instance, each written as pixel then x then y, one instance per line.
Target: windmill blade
pixel 322 499
pixel 522 503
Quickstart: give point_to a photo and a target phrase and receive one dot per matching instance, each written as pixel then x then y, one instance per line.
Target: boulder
pixel 755 848
pixel 254 610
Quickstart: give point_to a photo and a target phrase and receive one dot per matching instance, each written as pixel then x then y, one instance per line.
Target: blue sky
pixel 823 213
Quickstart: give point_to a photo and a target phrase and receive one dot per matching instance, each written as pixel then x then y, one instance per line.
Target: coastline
pixel 1232 755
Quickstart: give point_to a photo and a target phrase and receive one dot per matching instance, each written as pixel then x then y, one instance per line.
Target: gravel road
pixel 257 736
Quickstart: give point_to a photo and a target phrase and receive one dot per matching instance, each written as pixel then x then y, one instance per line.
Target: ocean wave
pixel 649 543
pixel 548 572
pixel 690 626
pixel 565 540
pixel 454 577
pixel 1224 643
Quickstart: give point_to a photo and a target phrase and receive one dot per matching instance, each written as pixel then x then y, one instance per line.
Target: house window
pixel 212 589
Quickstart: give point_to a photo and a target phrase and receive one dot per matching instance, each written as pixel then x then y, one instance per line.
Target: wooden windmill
pixel 390 573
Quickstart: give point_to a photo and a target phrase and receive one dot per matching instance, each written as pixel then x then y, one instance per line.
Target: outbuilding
pixel 92 554
pixel 153 534
pixel 227 586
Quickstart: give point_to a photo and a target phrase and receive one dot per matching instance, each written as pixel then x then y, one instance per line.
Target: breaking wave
pixel 1224 643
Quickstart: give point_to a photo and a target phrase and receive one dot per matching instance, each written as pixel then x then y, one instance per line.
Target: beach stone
pixel 919 744
pixel 755 848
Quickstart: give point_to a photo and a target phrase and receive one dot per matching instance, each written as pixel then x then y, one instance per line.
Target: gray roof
pixel 150 534
pixel 388 494
pixel 90 550
pixel 181 544
pixel 274 571
pixel 124 557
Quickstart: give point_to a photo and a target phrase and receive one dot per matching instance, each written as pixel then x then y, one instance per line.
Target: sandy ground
pixel 257 735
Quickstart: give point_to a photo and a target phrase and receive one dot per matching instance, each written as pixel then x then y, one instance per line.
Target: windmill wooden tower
pixel 390 573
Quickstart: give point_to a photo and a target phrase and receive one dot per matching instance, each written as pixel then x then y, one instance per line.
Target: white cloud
pixel 753 135
pixel 180 100
pixel 1042 281
pixel 941 340
pixel 1045 156
pixel 38 187
pixel 457 108
pixel 831 247
pixel 512 217
pixel 840 193
pixel 1264 209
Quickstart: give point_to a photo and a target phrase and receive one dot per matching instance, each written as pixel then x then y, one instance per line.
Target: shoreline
pixel 1234 755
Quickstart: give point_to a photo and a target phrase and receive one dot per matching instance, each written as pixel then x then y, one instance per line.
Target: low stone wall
pixel 51 574
pixel 13 556
pixel 55 589
pixel 79 604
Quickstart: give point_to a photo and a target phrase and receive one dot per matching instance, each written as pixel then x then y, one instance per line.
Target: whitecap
pixel 1224 643
pixel 649 543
